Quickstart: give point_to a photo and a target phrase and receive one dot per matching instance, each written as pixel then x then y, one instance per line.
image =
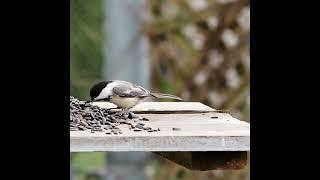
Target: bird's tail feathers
pixel 165 96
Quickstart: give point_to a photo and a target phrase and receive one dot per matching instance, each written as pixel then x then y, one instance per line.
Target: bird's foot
pixel 124 111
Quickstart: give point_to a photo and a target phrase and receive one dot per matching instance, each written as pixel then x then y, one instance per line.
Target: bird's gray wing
pixel 129 91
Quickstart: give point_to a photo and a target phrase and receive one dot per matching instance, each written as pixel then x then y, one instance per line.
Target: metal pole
pixel 126 58
pixel 126 48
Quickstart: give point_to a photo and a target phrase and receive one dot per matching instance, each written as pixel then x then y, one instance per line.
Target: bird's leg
pixel 124 111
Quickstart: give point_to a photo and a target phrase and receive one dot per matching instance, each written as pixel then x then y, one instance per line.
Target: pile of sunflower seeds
pixel 84 116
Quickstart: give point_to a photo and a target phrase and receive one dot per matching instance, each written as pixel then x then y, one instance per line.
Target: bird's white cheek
pixel 102 96
pixel 106 92
pixel 124 102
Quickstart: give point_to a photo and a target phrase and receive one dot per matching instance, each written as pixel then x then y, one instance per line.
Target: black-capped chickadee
pixel 123 94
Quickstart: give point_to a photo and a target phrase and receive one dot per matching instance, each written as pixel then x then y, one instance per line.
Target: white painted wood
pixel 199 132
pixel 162 106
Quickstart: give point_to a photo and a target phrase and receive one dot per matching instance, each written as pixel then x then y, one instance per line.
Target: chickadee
pixel 124 94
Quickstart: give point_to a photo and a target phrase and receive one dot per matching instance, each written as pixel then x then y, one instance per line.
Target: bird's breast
pixel 125 102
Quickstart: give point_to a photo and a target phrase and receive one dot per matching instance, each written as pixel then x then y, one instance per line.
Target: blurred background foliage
pixel 86 40
pixel 199 50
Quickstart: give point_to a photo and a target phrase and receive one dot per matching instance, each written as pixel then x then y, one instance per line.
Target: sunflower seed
pixel 83 116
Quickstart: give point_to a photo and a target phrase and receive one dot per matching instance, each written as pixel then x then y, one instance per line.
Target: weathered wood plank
pixel 198 132
pixel 163 106
pixel 206 139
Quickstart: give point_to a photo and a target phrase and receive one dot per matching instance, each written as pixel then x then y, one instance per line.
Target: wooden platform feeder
pixel 203 139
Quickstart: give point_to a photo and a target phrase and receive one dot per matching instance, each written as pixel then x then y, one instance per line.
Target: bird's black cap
pixel 97 88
